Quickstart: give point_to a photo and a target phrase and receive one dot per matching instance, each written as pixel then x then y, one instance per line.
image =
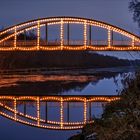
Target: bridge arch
pixel 14 31
pixel 11 109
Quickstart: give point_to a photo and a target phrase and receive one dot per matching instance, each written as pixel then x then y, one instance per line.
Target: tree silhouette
pixel 134 7
pixel 28 36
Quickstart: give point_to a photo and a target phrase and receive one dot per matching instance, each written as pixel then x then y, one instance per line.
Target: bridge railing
pixel 33 43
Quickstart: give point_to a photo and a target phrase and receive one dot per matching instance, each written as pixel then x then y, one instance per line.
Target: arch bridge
pixel 15 37
pixel 15 108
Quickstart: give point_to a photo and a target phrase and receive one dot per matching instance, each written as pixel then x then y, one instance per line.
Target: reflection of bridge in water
pixel 10 38
pixel 16 108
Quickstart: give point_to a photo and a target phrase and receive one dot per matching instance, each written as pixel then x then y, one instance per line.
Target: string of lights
pixel 16 114
pixel 37 24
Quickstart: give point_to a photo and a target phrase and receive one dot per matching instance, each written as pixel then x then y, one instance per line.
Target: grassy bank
pixel 121 119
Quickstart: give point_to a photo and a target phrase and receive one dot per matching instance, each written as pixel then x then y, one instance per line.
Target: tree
pixel 134 7
pixel 28 36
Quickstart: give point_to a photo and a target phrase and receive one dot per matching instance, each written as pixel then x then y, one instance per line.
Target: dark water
pixel 99 83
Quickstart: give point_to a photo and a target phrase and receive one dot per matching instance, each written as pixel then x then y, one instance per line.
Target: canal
pixel 95 82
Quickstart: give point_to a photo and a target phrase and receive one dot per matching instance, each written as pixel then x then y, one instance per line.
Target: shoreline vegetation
pixel 60 59
pixel 120 119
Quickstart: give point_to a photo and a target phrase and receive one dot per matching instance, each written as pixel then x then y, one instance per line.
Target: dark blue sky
pixel 115 12
pixel 112 11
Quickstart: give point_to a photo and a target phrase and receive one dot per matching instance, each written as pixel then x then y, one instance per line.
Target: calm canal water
pixel 100 83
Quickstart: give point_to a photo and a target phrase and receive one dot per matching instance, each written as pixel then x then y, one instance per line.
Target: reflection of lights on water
pixel 37 121
pixel 8 81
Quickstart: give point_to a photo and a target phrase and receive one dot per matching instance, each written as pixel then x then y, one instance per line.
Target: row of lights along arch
pixel 42 123
pixel 52 21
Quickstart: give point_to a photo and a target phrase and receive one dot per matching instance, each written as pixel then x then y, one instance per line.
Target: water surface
pixel 100 82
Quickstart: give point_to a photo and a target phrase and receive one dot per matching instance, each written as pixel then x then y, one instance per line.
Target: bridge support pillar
pixel 133 43
pixel 38 111
pixel 15 109
pixel 38 35
pixel 62 34
pixel 90 33
pixel 24 37
pixel 112 38
pixel 46 117
pixel 61 113
pixel 90 116
pixel 15 38
pixel 68 112
pixel 85 110
pixel 46 34
pixel 85 35
pixel 109 38
pixel 68 34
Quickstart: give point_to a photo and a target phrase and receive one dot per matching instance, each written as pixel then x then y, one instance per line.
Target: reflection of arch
pixel 64 44
pixel 37 121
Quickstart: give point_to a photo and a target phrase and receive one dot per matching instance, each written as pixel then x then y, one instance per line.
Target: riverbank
pixel 120 120
pixel 59 59
pixel 70 71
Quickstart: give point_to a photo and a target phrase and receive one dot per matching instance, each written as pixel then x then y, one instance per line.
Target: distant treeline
pixel 59 59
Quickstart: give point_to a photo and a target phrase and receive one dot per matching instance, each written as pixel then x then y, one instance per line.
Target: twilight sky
pixel 112 11
pixel 115 12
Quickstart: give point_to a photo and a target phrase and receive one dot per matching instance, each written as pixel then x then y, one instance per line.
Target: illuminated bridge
pixel 15 37
pixel 35 110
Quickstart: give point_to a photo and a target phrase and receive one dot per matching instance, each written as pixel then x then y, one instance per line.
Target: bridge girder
pixel 38 23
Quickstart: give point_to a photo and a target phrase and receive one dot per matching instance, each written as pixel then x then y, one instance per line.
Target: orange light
pixel 41 123
pixel 14 31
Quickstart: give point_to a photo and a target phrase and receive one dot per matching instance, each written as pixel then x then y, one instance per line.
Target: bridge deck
pixel 73 47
